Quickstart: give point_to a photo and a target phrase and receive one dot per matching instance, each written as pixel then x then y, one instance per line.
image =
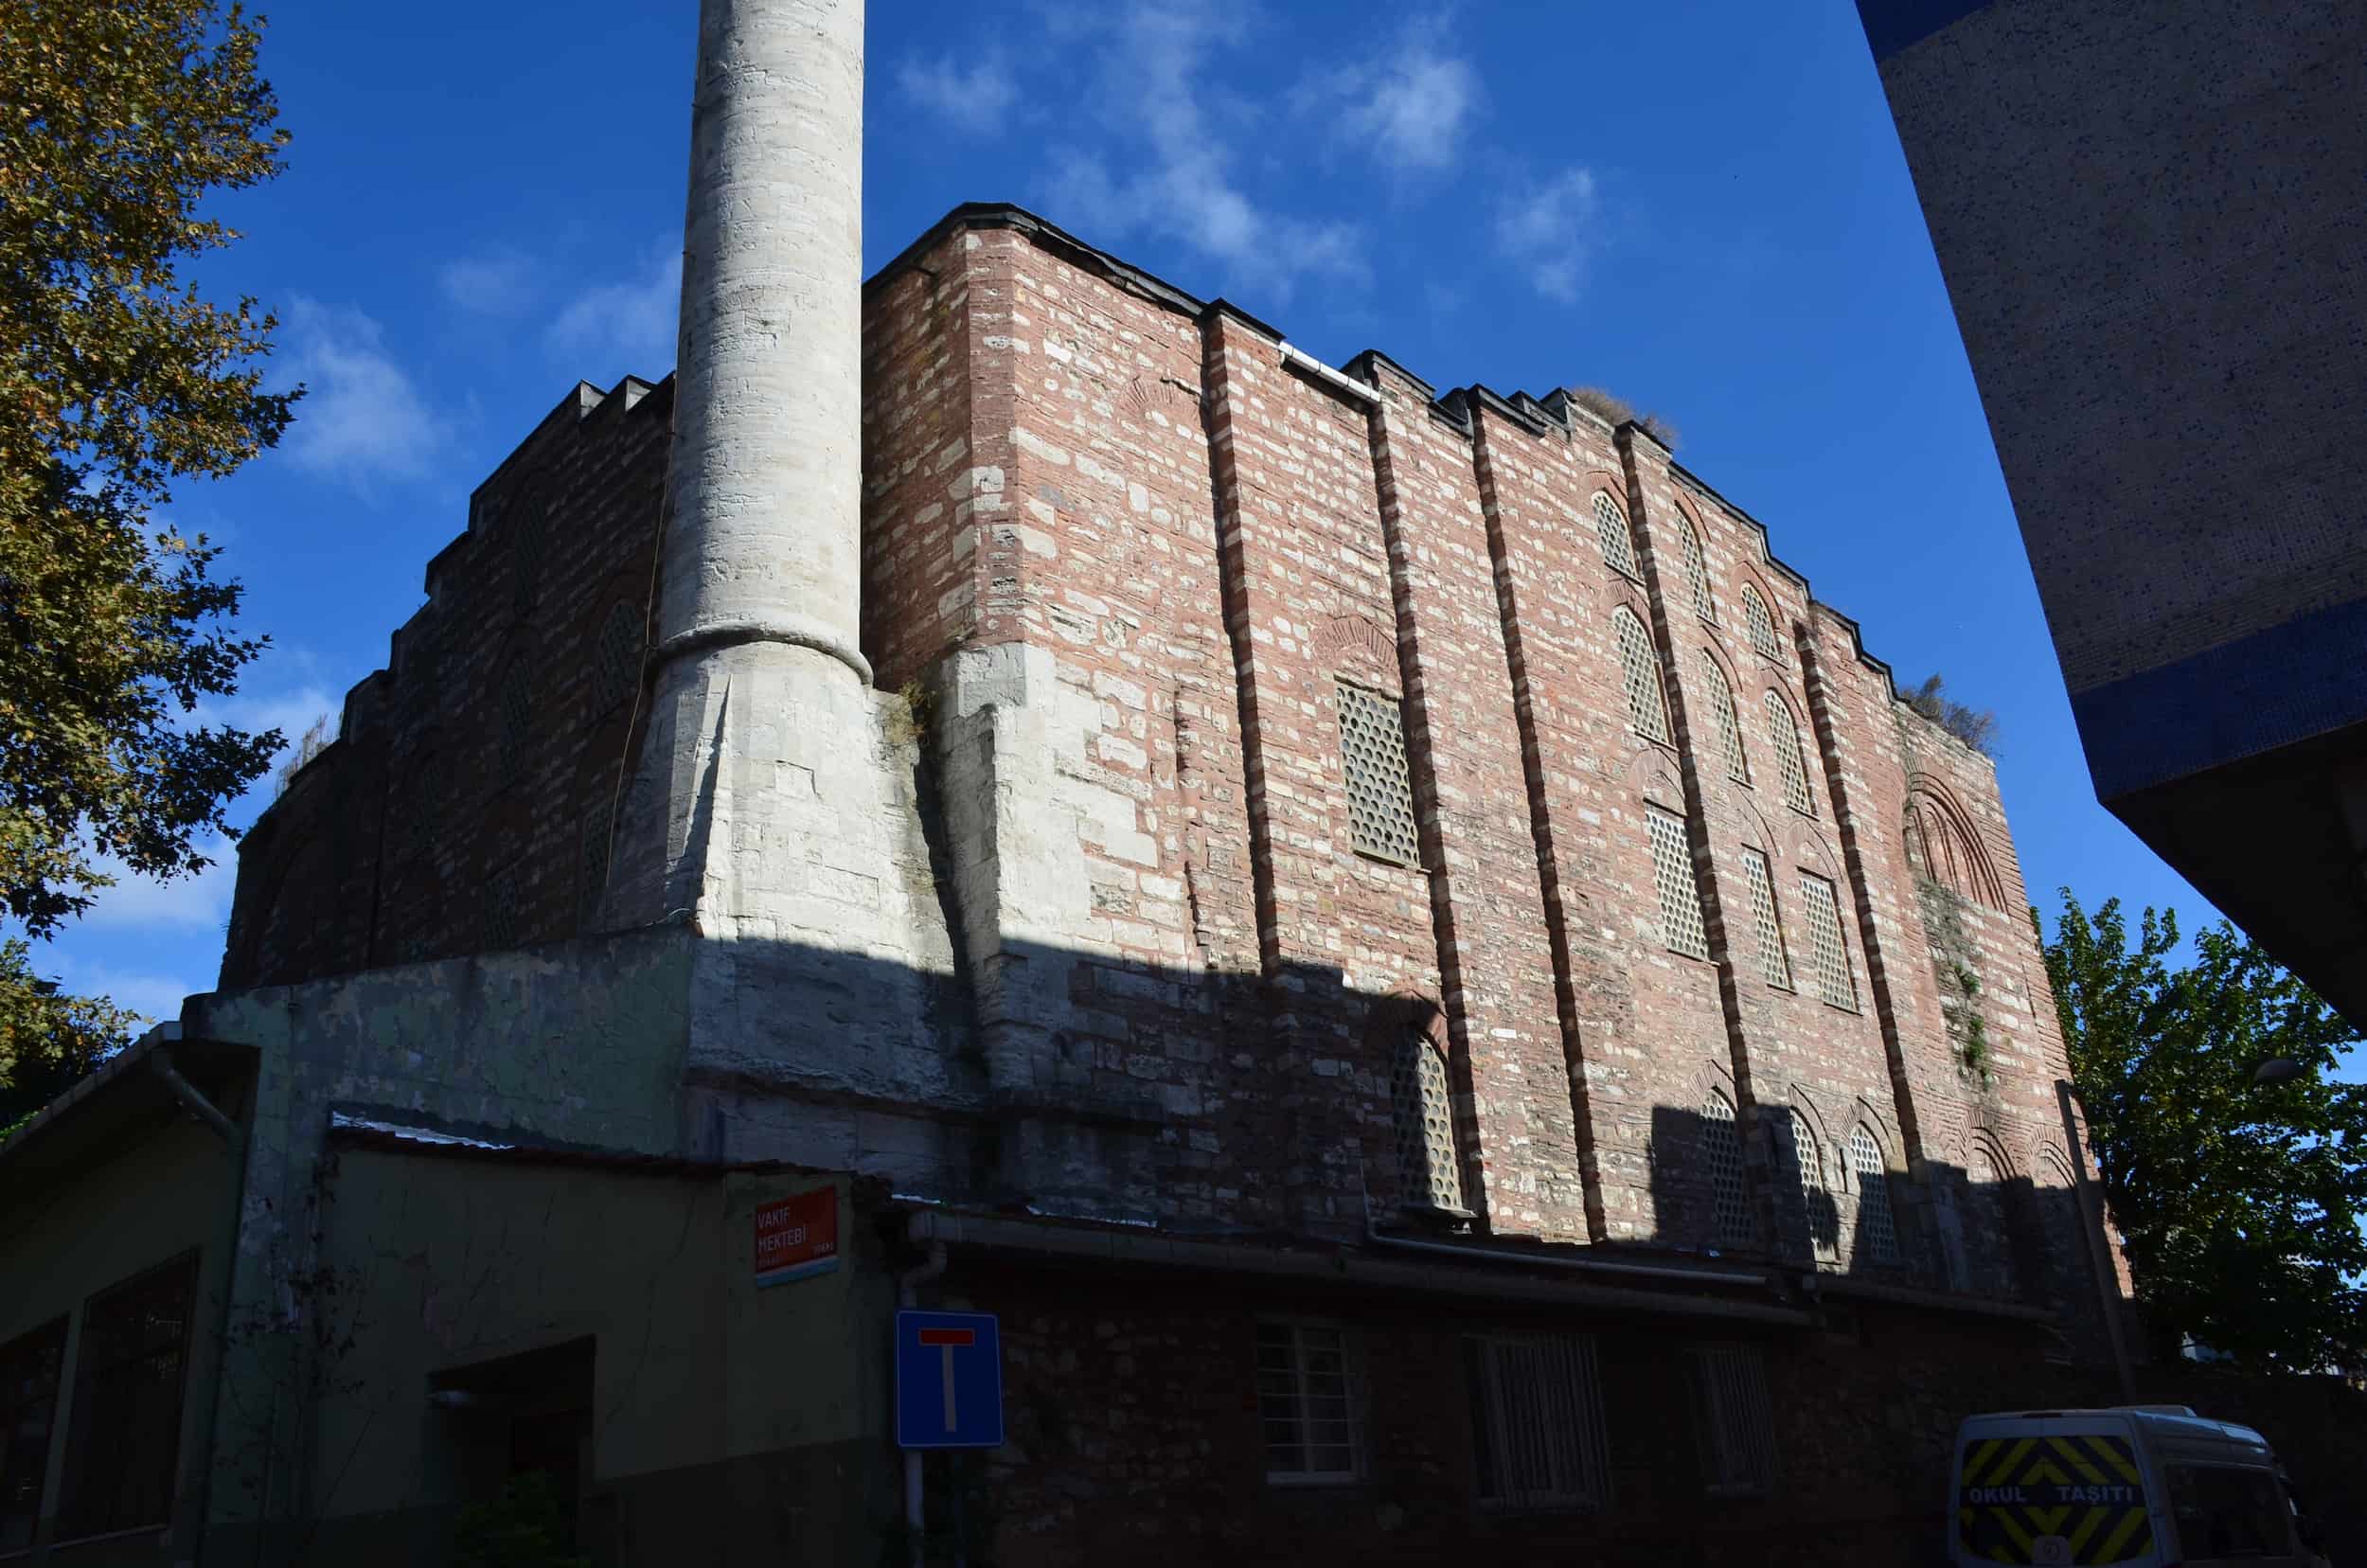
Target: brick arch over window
pixel 1812 1154
pixel 1721 1160
pixel 1941 845
pixel 1405 1034
pixel 1361 649
pixel 1725 717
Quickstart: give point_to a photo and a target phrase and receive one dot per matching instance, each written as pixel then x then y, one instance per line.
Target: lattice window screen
pixel 1834 979
pixel 595 853
pixel 1306 1402
pixel 1537 1405
pixel 1736 1419
pixel 619 669
pixel 1428 1170
pixel 1757 624
pixel 1610 526
pixel 529 534
pixel 1729 719
pixel 1876 1224
pixel 1639 670
pixel 1721 1156
pixel 501 911
pixel 516 711
pixel 1789 755
pixel 1380 789
pixel 1823 1214
pixel 1680 894
pixel 1774 963
pixel 1698 576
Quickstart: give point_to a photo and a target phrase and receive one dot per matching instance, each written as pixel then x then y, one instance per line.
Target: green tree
pixel 2241 1204
pixel 117 119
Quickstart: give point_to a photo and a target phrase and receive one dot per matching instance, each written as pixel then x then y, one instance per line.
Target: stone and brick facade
pixel 1121 552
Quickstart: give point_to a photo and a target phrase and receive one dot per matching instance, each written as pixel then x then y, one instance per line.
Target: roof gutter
pixel 192 1099
pixel 1325 373
pixel 1150 1249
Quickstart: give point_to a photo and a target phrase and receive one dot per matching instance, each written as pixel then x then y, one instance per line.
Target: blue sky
pixel 1703 206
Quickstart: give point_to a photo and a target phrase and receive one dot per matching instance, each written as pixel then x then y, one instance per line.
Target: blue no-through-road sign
pixel 948 1381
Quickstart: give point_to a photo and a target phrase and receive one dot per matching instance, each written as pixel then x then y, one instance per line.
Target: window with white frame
pixel 1309 1403
pixel 1774 962
pixel 1835 981
pixel 1537 1421
pixel 1373 767
pixel 1758 625
pixel 1721 1159
pixel 1680 894
pixel 1877 1227
pixel 1610 526
pixel 1729 719
pixel 1639 671
pixel 1735 1419
pixel 1790 754
pixel 1428 1172
pixel 1698 573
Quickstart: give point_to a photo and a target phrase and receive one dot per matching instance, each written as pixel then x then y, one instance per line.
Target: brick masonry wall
pixel 1121 553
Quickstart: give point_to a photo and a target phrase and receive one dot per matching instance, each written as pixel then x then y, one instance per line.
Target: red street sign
pixel 797 1237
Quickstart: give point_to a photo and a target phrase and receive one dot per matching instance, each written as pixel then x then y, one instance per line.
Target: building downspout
pixel 908 1296
pixel 194 1100
pixel 2099 1255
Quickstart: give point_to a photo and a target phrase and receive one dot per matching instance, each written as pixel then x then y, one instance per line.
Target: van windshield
pixel 2067 1498
pixel 2226 1512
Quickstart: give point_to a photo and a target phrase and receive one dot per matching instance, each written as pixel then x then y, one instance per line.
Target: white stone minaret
pixel 764 806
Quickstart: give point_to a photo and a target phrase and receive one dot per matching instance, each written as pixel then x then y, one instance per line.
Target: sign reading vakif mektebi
pixel 797 1237
pixel 948 1381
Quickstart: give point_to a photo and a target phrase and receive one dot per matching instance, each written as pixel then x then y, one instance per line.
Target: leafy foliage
pixel 116 379
pixel 47 1042
pixel 1975 727
pixel 524 1528
pixel 2241 1204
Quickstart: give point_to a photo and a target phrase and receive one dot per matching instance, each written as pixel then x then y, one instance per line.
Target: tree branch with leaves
pixel 2241 1203
pixel 117 380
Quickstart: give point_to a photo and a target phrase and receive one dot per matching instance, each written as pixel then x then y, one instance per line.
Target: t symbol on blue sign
pixel 948 1381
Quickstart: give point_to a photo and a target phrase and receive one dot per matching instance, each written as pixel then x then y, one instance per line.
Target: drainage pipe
pixel 1593 1265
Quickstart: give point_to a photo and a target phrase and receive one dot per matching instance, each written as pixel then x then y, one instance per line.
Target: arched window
pixel 1672 877
pixel 1876 1227
pixel 1721 1157
pixel 618 670
pixel 1729 720
pixel 1698 573
pixel 1639 670
pixel 1815 1196
pixel 1610 526
pixel 1428 1172
pixel 1774 962
pixel 1994 1215
pixel 1836 982
pixel 516 709
pixel 1758 624
pixel 1790 754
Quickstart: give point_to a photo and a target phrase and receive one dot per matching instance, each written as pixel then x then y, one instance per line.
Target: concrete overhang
pixel 94 1118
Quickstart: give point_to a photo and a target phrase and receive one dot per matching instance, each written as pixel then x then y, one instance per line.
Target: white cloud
pixel 200 901
pixel 362 419
pixel 1543 230
pixel 290 711
pixel 1179 135
pixel 499 282
pixel 626 328
pixel 975 100
pixel 1406 107
pixel 156 996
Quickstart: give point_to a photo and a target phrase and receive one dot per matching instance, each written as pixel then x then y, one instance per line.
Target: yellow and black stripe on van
pixel 2073 1498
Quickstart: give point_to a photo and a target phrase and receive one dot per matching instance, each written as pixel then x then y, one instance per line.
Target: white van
pixel 2141 1485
